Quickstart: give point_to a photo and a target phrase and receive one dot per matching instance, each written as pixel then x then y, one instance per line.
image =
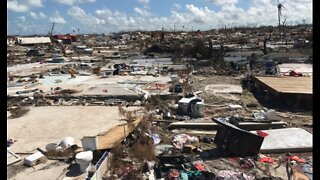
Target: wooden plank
pixel 287 85
pixel 215 126
pixel 117 134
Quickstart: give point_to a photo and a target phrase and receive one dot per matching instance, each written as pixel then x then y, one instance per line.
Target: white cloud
pixel 182 16
pixel 35 3
pixel 33 15
pixel 22 18
pixel 143 1
pixel 177 6
pixel 142 12
pixel 72 2
pixel 103 12
pixel 224 2
pixel 42 15
pixel 57 18
pixel 23 5
pixel 80 15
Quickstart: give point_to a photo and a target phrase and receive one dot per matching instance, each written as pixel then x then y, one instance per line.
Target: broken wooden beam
pixel 115 135
pixel 243 125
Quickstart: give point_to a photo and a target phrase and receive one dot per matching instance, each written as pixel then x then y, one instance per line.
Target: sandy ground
pixel 44 125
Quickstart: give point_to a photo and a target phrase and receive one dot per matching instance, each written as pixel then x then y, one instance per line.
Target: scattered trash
pixel 161 148
pixel 266 160
pixel 200 167
pixel 173 174
pixel 271 115
pixel 28 91
pixel 246 163
pixel 307 169
pixel 226 174
pixel 260 115
pixel 182 139
pixel 234 106
pixel 297 159
pixel 189 148
pixel 136 153
pixel 66 142
pixel 155 137
pixel 10 142
pixel 184 176
pixel 262 134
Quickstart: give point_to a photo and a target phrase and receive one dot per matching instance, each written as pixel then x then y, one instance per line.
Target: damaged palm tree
pixel 210 49
pixel 280 7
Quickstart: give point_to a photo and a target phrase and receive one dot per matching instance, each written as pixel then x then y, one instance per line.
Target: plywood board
pixel 287 85
pixel 115 135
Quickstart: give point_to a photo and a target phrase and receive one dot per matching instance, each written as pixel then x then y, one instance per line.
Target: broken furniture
pixel 235 141
pixel 192 106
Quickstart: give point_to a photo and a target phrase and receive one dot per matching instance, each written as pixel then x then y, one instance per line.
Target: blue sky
pixel 105 16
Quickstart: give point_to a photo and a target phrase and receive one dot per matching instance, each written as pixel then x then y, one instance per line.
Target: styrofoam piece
pixel 34 159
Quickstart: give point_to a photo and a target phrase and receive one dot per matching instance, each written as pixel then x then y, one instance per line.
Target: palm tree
pixel 280 6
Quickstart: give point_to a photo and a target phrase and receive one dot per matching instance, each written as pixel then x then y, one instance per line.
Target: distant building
pixel 33 40
pixel 66 39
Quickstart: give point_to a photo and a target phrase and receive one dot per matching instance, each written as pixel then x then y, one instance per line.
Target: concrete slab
pixel 108 89
pixel 64 79
pixel 224 88
pixel 49 124
pixel 225 91
pixel 83 83
pixel 287 140
pixel 31 68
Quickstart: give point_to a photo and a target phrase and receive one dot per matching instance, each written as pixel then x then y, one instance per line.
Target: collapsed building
pixel 102 112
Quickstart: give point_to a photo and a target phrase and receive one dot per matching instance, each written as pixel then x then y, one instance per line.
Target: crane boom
pixel 52 29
